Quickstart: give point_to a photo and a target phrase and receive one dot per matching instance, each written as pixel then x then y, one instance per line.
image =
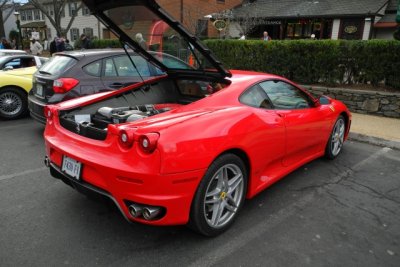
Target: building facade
pixel 320 19
pixel 190 12
pixel 34 21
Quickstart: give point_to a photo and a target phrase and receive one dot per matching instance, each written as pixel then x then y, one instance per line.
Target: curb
pixel 374 140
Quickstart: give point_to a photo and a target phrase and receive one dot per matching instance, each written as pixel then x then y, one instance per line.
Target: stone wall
pixel 361 101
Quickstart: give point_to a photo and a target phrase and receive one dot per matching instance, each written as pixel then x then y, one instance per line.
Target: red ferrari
pixel 189 146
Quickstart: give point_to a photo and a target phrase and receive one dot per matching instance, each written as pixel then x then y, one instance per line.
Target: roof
pixel 34 24
pixel 387 21
pixel 392 5
pixel 310 8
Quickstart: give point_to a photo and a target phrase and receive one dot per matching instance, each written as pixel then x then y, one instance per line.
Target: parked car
pixel 170 150
pixel 21 61
pixel 8 52
pixel 72 74
pixel 14 88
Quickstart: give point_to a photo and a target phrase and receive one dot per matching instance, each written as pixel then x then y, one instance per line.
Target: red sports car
pixel 190 146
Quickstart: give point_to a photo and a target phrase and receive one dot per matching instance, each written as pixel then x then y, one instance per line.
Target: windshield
pixel 153 34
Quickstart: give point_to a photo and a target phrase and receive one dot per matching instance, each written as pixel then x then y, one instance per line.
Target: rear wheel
pixel 219 196
pixel 13 103
pixel 336 139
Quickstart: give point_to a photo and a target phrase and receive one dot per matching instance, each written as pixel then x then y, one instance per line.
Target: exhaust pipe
pixel 135 210
pixel 47 161
pixel 149 213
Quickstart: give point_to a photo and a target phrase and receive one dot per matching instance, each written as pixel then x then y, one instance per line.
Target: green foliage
pixel 311 61
pixel 99 43
pixel 13 35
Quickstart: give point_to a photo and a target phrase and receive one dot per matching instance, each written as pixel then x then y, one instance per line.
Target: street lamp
pixel 19 41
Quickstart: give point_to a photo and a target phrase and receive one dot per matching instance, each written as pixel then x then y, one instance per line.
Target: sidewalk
pixel 375 130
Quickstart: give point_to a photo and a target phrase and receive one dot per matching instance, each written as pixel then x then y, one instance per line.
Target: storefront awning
pixel 387 21
pixel 35 24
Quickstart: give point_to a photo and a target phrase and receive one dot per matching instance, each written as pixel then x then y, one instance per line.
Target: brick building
pixel 191 13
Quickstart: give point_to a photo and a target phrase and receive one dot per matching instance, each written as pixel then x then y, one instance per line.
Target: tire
pixel 220 196
pixel 336 139
pixel 13 103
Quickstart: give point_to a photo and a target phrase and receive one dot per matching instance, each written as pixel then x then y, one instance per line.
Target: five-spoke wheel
pixel 336 139
pixel 220 195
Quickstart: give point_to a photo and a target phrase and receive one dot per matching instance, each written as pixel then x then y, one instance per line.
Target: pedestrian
pixel 53 46
pixel 5 44
pixel 68 46
pixel 141 41
pixel 60 44
pixel 46 45
pixel 266 37
pixel 85 42
pixel 36 48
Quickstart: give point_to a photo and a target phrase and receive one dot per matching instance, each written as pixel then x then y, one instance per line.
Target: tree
pixel 59 9
pixel 246 18
pixel 5 5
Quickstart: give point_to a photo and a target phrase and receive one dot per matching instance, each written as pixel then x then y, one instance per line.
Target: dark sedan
pixel 73 74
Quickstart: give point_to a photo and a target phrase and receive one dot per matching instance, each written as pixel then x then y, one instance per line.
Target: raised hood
pixel 145 26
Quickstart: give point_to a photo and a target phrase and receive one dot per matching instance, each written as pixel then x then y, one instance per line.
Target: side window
pixel 124 67
pixel 285 96
pixel 109 68
pixel 141 65
pixel 15 63
pixel 255 97
pixel 93 68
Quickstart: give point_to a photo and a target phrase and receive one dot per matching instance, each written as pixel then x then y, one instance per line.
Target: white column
pixel 335 29
pixel 367 29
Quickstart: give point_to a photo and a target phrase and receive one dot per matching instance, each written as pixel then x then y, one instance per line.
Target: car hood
pixel 145 26
pixel 24 72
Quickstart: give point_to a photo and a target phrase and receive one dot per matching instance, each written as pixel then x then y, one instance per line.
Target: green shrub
pixel 309 61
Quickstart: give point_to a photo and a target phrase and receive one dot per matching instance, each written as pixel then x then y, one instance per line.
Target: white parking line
pixel 13 175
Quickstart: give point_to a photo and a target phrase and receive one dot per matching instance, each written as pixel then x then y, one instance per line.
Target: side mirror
pixel 323 100
pixel 9 68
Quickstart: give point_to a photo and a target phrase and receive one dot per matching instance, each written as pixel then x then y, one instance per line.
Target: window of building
pixel 72 9
pixel 88 32
pixel 85 11
pixel 74 34
pixel 36 14
pixel 28 14
pixel 23 15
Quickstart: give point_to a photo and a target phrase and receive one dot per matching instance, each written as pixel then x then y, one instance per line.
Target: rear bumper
pixel 115 174
pixel 36 109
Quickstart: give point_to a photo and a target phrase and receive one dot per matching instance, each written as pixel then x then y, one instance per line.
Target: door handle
pixel 116 85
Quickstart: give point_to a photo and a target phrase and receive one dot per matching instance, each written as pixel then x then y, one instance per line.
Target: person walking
pixel 141 41
pixel 85 42
pixel 4 44
pixel 53 46
pixel 68 46
pixel 36 48
pixel 266 37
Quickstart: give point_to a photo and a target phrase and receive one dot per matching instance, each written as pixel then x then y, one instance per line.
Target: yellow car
pixel 14 88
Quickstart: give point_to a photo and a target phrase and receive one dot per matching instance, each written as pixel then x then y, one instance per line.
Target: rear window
pixel 57 65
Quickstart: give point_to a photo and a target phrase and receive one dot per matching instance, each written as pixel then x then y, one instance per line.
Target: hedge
pixel 315 61
pixel 307 61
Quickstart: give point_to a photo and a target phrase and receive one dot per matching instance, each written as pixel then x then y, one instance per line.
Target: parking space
pixel 327 213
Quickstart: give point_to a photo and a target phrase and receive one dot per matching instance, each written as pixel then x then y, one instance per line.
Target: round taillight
pixel 125 139
pixel 148 142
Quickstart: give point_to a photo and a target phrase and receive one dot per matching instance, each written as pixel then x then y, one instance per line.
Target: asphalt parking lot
pixel 344 212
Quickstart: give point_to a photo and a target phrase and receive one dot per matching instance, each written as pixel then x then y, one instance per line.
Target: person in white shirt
pixel 36 48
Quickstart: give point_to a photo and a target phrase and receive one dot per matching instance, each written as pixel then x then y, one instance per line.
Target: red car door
pixel 307 126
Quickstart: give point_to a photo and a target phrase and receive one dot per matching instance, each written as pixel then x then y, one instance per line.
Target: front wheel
pixel 336 139
pixel 219 196
pixel 13 103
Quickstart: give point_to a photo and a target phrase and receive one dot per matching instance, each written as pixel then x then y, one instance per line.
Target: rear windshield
pixel 57 65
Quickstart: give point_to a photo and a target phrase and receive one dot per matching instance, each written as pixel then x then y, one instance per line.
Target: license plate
pixel 71 167
pixel 39 89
